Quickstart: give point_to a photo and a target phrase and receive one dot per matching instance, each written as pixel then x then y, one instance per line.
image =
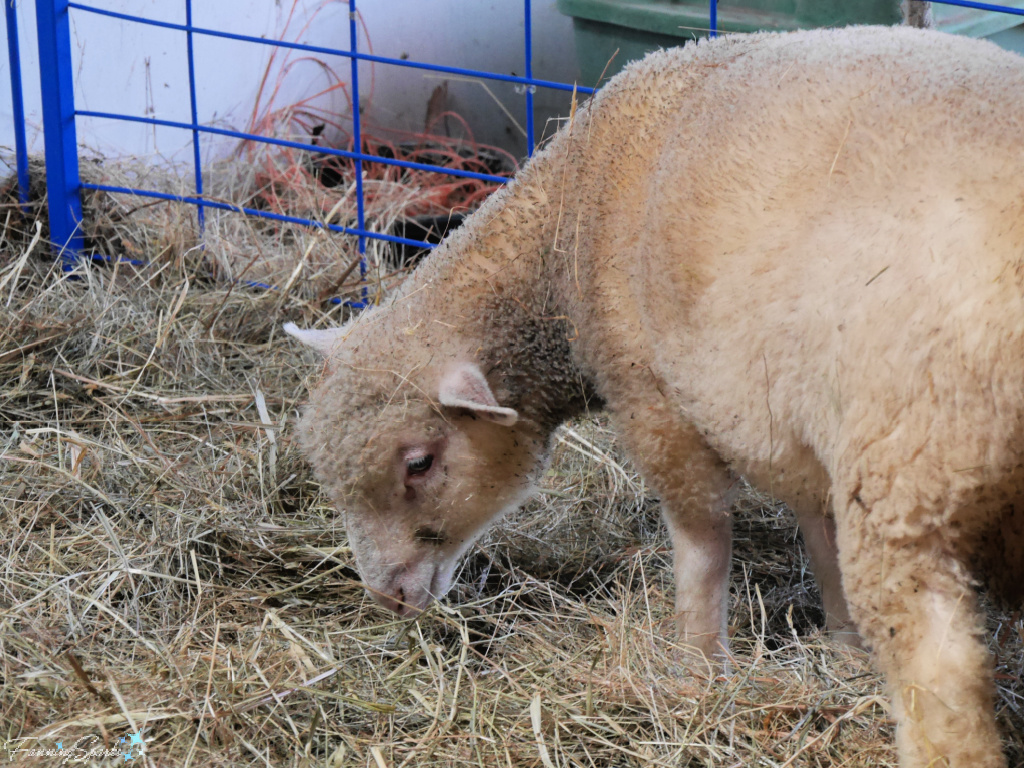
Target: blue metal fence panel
pixel 59 113
pixel 17 102
pixel 357 156
pixel 60 138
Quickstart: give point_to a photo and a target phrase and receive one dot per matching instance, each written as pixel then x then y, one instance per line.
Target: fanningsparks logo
pixel 129 747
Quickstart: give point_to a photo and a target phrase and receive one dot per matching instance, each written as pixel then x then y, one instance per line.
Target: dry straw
pixel 169 566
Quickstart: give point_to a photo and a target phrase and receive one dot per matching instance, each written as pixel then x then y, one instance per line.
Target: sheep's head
pixel 420 462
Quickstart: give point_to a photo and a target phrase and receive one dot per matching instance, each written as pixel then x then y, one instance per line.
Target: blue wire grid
pixel 65 221
pixel 59 113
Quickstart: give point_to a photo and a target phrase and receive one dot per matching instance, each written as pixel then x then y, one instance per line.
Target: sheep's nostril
pixel 400 597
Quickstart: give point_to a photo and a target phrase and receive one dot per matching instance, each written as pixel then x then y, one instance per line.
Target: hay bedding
pixel 169 566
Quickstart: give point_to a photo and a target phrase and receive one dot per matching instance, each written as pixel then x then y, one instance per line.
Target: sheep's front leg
pixel 917 611
pixel 692 482
pixel 701 532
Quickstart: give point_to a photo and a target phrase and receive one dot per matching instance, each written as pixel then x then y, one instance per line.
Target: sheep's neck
pixel 493 288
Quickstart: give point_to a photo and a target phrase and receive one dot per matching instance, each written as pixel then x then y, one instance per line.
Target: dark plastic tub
pixel 610 33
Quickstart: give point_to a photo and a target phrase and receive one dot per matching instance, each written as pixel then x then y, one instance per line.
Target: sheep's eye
pixel 419 466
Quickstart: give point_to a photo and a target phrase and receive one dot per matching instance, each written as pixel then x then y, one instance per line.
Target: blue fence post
pixel 196 158
pixel 357 141
pixel 713 18
pixel 17 104
pixel 63 187
pixel 528 24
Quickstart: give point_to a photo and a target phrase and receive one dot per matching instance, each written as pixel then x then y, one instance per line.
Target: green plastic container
pixel 610 33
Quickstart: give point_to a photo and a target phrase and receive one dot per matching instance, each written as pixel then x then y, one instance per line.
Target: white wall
pixel 142 70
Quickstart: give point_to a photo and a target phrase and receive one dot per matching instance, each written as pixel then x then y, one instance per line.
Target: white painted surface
pixel 142 70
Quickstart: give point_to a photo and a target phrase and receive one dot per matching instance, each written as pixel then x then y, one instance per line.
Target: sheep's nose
pixel 407 589
pixel 397 602
pixel 393 603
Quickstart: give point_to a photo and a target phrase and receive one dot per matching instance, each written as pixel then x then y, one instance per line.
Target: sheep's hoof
pixel 703 657
pixel 848 637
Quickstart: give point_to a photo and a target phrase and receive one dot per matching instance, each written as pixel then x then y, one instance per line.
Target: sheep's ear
pixel 464 386
pixel 323 341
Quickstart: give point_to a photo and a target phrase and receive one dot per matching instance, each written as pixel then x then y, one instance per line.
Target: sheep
pixel 794 257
